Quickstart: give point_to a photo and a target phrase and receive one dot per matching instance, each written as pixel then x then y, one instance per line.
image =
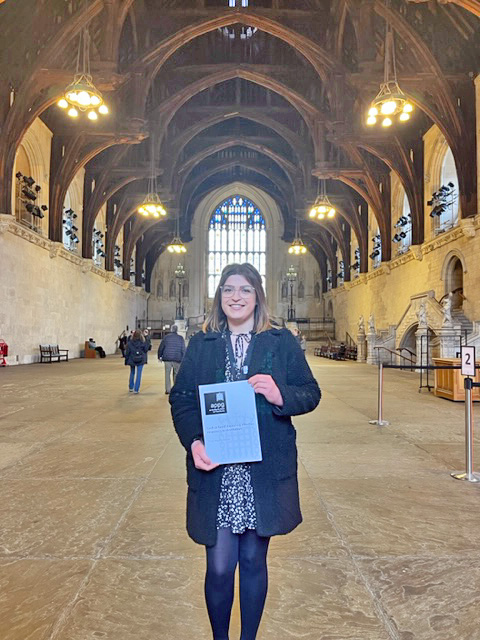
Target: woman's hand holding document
pixel 230 425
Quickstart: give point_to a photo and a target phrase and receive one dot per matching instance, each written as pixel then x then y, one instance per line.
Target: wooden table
pixel 449 382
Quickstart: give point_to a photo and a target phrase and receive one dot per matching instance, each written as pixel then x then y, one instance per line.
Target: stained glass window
pixel 236 233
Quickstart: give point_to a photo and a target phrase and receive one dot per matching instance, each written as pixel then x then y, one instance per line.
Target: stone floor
pixel 92 540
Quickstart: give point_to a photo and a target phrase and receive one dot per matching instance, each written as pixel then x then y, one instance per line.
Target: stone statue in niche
pixel 284 290
pixel 301 291
pixel 447 311
pixel 171 289
pixel 371 324
pixel 422 316
pixel 361 325
pixel 316 291
pixel 159 289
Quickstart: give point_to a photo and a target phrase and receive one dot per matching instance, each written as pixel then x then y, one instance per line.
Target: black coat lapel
pixel 263 352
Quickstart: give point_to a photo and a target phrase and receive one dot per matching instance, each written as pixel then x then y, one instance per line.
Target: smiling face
pixel 238 309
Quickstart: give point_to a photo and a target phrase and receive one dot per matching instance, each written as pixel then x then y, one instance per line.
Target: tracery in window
pixel 403 228
pixel 236 234
pixel 444 201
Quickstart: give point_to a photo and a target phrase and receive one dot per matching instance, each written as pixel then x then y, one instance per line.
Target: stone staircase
pixel 460 318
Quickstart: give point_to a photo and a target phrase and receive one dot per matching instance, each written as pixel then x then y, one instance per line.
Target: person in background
pixel 100 350
pixel 303 342
pixel 234 509
pixel 122 342
pixel 171 351
pixel 148 339
pixel 135 358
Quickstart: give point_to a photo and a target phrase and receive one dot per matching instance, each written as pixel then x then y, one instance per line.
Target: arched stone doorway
pixel 453 279
pixel 408 344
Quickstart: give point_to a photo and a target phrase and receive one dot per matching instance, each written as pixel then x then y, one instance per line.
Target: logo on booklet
pixel 215 403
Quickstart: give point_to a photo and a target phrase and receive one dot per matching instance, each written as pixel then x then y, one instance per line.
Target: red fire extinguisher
pixel 3 353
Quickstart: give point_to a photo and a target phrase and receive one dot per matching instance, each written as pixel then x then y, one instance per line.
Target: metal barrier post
pixel 469 474
pixel 380 422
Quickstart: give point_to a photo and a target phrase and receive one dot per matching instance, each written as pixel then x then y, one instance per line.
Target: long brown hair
pixel 217 320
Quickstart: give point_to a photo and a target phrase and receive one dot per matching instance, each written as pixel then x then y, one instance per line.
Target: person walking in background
pixel 135 358
pixel 122 342
pixel 234 509
pixel 148 340
pixel 171 351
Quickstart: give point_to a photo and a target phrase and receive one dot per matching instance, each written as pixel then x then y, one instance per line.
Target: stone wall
pixel 386 291
pixel 48 295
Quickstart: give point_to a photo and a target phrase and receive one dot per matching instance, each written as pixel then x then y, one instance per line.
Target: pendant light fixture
pixel 297 247
pixel 176 245
pixel 81 94
pixel 152 205
pixel 390 102
pixel 322 207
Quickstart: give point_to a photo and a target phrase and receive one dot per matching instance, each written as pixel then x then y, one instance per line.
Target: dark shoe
pixel 167 392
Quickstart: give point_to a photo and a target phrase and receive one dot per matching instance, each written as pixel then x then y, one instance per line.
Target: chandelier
pixel 390 101
pixel 322 207
pixel 81 94
pixel 176 245
pixel 297 248
pixel 152 205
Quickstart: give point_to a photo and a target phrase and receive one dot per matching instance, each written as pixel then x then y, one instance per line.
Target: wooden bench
pixel 51 353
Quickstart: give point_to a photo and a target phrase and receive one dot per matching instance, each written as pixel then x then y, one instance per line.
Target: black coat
pixel 132 347
pixel 274 479
pixel 172 348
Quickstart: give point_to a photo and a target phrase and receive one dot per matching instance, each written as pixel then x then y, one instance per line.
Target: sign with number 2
pixel 468 361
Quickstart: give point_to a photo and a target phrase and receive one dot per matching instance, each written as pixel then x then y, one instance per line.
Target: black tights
pixel 249 551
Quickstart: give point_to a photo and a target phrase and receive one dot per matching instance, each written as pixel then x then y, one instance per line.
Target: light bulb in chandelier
pixel 152 206
pixel 297 247
pixel 177 246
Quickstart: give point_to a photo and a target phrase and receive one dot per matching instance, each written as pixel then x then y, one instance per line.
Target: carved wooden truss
pixel 273 94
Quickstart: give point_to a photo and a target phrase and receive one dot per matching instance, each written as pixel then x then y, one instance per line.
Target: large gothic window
pixel 236 233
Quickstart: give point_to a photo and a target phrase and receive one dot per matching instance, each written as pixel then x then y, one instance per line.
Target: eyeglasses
pixel 245 292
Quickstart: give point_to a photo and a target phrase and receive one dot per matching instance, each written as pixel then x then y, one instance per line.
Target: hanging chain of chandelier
pixel 81 95
pixel 151 205
pixel 390 103
pixel 322 207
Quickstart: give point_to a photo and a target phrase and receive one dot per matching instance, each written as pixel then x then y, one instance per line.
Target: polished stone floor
pixel 92 540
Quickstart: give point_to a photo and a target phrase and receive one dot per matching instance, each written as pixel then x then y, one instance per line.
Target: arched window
pixel 444 201
pixel 403 228
pixel 236 233
pixel 449 179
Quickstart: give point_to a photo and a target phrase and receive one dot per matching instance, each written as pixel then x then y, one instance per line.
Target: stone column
pixel 422 357
pixel 361 347
pixel 372 357
pixel 449 340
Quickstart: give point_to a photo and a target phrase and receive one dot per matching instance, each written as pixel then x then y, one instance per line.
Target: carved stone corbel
pixel 468 227
pixel 416 251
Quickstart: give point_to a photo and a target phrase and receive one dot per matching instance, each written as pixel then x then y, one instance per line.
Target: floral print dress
pixel 236 507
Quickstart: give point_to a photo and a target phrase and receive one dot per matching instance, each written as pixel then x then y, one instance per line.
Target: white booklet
pixel 230 424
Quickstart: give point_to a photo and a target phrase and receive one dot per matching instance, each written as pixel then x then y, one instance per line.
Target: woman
pixel 234 509
pixel 122 342
pixel 135 358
